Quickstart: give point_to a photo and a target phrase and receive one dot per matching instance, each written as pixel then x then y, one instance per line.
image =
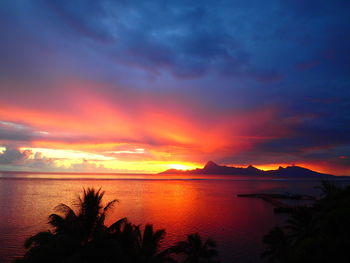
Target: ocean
pixel 179 204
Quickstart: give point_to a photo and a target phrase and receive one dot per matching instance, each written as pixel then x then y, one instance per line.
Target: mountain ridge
pixel 213 168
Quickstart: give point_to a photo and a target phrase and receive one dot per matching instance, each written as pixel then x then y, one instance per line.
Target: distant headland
pixel 289 171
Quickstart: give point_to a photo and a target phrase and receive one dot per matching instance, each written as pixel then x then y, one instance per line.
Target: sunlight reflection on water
pixel 181 205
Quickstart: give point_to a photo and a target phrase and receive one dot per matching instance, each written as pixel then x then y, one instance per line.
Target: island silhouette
pixel 215 169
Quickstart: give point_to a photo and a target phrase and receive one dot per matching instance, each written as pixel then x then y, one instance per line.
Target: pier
pixel 268 198
pixel 280 207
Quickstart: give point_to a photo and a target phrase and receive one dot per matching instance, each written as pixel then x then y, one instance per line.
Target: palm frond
pixel 210 243
pixel 56 220
pixel 159 235
pixel 38 239
pixel 66 210
pixel 116 226
pixel 327 188
pixel 110 205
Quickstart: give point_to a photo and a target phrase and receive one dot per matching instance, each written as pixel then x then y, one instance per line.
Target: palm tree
pixel 124 241
pixel 276 242
pixel 134 245
pixel 301 224
pixel 328 188
pixel 81 236
pixel 73 233
pixel 149 243
pixel 89 222
pixel 40 248
pixel 195 250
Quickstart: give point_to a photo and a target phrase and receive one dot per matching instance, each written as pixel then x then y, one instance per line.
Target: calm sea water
pixel 180 204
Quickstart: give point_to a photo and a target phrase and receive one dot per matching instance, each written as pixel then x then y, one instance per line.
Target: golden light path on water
pixel 182 205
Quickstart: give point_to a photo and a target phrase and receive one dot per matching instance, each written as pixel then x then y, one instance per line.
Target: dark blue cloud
pixel 259 41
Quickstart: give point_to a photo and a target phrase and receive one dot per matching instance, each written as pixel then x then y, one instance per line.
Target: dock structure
pixel 268 198
pixel 276 203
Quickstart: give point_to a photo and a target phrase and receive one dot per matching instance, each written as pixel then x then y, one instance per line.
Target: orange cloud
pixel 169 131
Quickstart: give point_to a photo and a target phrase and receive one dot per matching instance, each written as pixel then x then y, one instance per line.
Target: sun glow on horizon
pixel 272 166
pixel 183 166
pixel 116 158
pixel 125 159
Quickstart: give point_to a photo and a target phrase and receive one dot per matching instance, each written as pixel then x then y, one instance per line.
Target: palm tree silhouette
pixel 88 223
pixel 319 233
pixel 276 242
pixel 328 188
pixel 195 250
pixel 81 236
pixel 73 234
pixel 148 243
pixel 135 245
pixel 301 224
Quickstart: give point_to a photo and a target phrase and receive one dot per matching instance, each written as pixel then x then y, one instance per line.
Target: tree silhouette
pixel 328 188
pixel 194 250
pixel 148 243
pixel 81 236
pixel 319 233
pixel 132 244
pixel 73 234
pixel 276 245
pixel 301 224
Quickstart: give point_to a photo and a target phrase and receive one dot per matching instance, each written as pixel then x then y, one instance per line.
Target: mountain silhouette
pixel 211 165
pixel 213 168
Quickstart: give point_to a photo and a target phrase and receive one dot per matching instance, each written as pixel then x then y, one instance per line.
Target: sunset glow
pixel 174 131
pixel 182 166
pixel 113 96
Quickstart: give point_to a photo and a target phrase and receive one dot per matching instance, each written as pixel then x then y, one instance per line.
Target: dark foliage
pixel 81 236
pixel 314 234
pixel 195 250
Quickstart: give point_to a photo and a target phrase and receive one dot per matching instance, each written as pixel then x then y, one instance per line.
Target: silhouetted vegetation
pixel 194 250
pixel 81 236
pixel 320 233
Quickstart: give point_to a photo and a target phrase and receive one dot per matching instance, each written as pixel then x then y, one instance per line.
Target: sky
pixel 144 86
